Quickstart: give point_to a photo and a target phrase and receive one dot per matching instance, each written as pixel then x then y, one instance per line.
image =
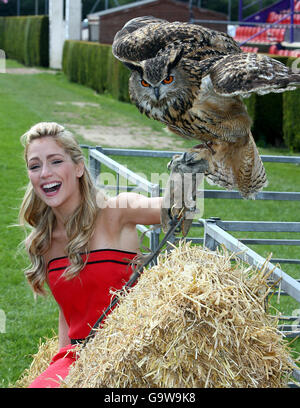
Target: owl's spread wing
pixel 143 37
pixel 245 73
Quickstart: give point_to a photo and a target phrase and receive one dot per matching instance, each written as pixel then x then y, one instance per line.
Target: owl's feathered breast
pixel 192 79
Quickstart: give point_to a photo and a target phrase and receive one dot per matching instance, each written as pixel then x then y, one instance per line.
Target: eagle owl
pixel 193 79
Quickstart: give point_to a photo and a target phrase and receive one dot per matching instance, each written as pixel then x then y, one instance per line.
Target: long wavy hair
pixel 40 217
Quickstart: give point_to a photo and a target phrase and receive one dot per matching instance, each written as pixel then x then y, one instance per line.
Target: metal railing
pixel 263 25
pixel 265 195
pixel 98 157
pixel 215 235
pixel 215 230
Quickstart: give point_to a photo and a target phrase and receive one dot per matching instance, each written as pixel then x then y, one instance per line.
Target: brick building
pixel 104 25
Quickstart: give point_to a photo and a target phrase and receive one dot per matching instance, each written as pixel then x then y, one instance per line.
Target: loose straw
pixel 196 319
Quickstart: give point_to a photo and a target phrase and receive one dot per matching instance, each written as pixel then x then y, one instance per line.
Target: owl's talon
pixel 188 162
pixel 181 191
pixel 172 211
pixel 173 218
pixel 200 146
pixel 175 212
pixel 205 145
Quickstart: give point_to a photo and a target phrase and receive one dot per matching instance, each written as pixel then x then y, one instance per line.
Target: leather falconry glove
pixel 186 173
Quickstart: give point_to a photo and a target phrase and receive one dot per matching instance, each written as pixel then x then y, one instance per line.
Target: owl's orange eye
pixel 144 83
pixel 168 80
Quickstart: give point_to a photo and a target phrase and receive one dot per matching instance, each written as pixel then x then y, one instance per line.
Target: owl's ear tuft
pixel 134 67
pixel 174 58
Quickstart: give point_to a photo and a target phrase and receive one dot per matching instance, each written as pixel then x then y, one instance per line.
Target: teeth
pixel 51 185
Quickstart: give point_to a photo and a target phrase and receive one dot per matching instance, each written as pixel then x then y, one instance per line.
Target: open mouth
pixel 51 188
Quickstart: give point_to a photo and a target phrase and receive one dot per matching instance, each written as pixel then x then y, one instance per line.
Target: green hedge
pixel 26 39
pixel 93 64
pixel 276 119
pixel 291 116
pixel 2 30
pixel 266 112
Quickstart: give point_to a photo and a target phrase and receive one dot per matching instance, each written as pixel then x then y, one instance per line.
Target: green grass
pixel 13 64
pixel 27 99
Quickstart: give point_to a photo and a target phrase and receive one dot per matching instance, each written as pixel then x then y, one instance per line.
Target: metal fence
pixel 215 231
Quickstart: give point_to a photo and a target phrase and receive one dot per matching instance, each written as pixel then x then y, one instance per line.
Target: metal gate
pixel 215 231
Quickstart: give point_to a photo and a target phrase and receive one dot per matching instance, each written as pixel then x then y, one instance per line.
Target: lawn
pixel 27 99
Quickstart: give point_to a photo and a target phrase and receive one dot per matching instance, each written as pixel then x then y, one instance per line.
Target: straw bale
pixel 196 319
pixel 40 361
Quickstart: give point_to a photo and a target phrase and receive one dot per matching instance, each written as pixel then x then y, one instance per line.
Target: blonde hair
pixel 79 226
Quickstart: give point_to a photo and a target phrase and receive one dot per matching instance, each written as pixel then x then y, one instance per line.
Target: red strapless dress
pixel 83 299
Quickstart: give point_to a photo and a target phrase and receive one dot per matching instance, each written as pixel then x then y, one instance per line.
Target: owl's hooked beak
pixel 156 92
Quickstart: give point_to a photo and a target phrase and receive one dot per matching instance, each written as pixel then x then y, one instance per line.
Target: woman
pixel 81 242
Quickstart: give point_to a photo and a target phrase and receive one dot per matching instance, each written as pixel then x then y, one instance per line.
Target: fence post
pixel 2 62
pixel 154 234
pixel 209 242
pixel 94 165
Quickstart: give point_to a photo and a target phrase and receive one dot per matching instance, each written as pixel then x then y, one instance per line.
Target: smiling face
pixel 53 174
